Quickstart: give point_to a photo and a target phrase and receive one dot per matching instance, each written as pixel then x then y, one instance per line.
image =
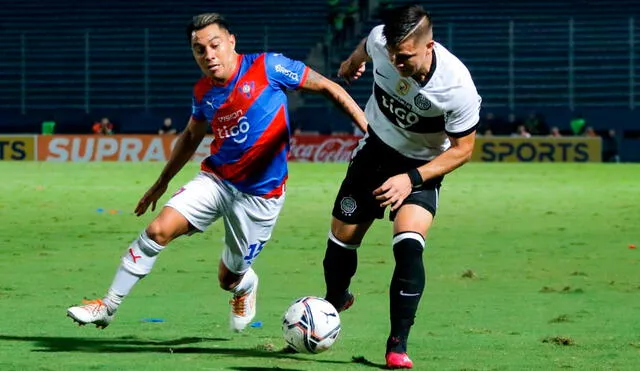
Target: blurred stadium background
pixel 75 62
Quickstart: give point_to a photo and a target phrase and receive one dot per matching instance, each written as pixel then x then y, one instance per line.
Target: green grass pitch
pixel 529 268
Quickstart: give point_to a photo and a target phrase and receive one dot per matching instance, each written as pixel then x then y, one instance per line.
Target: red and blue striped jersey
pixel 250 122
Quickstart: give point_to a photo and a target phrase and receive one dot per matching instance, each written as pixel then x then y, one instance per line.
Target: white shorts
pixel 248 219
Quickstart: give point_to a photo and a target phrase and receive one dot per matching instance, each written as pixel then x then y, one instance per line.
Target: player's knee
pixel 347 234
pixel 158 233
pixel 167 226
pixel 334 241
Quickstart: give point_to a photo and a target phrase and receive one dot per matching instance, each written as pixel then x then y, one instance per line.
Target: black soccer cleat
pixel 345 303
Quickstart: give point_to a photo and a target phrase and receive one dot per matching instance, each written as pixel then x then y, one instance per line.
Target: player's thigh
pixel 412 218
pixel 198 204
pixel 417 211
pixel 355 207
pixel 248 224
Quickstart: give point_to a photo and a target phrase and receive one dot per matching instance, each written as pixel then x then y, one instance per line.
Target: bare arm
pixel 185 147
pixel 459 153
pixel 319 84
pixel 354 66
pixel 398 187
pixel 359 54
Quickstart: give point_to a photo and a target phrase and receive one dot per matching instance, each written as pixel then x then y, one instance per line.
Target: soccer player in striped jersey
pixel 242 98
pixel 422 115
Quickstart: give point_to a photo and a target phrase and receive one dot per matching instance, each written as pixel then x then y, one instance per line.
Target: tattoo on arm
pixel 313 81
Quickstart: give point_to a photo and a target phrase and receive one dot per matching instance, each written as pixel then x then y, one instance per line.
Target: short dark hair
pixel 203 20
pixel 400 22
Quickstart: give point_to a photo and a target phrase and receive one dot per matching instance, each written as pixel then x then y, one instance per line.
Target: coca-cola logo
pixel 322 149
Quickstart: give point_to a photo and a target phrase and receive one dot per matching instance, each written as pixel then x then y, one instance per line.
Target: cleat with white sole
pixel 92 311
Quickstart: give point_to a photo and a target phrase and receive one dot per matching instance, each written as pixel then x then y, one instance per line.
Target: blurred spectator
pixel 104 127
pixel 167 127
pixel 351 20
pixel 513 122
pixel 536 124
pixel 555 132
pixel 589 132
pixel 521 131
pixel 489 122
pixel 578 124
pixel 610 147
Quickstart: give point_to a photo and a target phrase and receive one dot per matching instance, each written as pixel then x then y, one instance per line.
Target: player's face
pixel 214 50
pixel 411 57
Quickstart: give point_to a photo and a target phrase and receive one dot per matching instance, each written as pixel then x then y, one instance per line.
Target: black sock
pixel 340 264
pixel 406 288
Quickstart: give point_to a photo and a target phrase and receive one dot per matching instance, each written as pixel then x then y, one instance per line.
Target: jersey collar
pixel 432 69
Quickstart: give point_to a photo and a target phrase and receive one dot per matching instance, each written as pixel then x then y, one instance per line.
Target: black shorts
pixel 372 165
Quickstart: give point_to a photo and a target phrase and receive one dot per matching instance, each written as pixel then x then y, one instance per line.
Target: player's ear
pixel 429 49
pixel 232 41
pixel 430 44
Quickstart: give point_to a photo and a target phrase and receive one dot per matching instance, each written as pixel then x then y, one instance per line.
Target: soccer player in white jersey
pixel 422 116
pixel 242 98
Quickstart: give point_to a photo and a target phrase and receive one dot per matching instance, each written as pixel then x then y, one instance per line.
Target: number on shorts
pixel 254 251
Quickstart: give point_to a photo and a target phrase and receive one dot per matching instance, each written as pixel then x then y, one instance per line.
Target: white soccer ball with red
pixel 310 325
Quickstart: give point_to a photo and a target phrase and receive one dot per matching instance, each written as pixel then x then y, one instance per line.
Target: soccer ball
pixel 310 325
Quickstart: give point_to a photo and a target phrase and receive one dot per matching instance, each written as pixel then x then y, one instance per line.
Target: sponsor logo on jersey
pixel 237 133
pixel 231 116
pixel 403 87
pixel 422 102
pixel 400 113
pixel 290 74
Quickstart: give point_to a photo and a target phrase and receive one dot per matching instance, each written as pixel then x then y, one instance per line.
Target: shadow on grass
pixel 365 362
pixel 183 345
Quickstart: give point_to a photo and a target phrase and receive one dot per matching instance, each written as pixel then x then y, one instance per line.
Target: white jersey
pixel 417 120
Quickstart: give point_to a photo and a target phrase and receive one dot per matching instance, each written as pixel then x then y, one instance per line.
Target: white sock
pixel 137 262
pixel 122 284
pixel 246 283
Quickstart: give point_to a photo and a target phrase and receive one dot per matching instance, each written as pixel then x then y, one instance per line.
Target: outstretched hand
pixel 151 197
pixel 394 191
pixel 350 71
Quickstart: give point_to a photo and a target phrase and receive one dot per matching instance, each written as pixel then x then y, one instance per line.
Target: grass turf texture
pixel 528 265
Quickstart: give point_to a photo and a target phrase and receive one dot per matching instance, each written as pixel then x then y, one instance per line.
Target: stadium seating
pixel 122 55
pixel 478 32
pixel 79 60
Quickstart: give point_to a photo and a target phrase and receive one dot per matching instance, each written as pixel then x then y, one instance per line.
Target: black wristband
pixel 416 178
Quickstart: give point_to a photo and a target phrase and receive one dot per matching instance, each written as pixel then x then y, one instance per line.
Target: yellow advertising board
pixel 537 149
pixel 17 148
